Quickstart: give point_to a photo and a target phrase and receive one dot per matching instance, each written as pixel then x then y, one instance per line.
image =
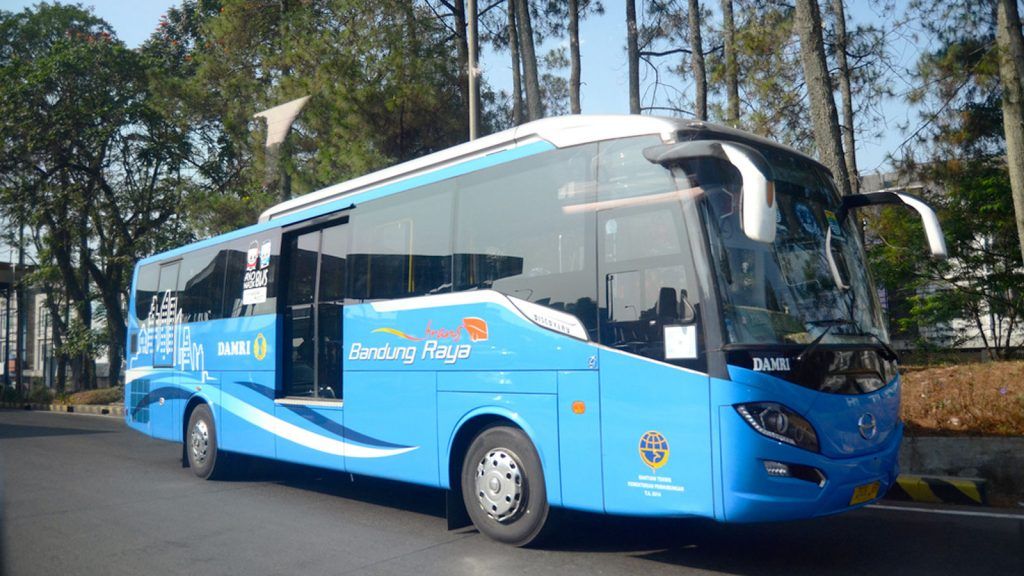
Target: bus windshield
pixel 784 292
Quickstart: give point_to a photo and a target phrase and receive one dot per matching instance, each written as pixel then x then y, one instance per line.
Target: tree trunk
pixel 462 51
pixel 700 78
pixel 824 118
pixel 84 307
pixel 58 328
pixel 849 144
pixel 574 56
pixel 112 298
pixel 1011 73
pixel 633 57
pixel 732 89
pixel 534 107
pixel 517 83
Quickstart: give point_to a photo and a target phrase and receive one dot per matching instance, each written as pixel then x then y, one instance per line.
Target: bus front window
pixel 784 292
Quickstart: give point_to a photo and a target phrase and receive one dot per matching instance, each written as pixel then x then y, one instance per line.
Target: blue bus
pixel 625 315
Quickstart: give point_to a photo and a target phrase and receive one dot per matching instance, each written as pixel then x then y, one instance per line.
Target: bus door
pixel 310 394
pixel 163 385
pixel 654 389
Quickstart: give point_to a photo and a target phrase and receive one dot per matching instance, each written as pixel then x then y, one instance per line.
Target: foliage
pixel 87 159
pixel 40 395
pixel 383 87
pixel 960 147
pixel 983 274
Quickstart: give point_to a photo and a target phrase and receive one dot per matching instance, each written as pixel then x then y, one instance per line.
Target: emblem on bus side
pixel 259 347
pixel 654 449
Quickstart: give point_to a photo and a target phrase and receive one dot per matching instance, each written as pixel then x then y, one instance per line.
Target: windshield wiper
pixel 890 353
pixel 830 324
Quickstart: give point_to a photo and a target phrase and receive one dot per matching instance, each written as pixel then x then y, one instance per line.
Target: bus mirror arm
pixel 836 276
pixel 757 203
pixel 932 227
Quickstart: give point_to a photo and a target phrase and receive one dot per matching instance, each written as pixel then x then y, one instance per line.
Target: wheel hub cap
pixel 499 484
pixel 200 440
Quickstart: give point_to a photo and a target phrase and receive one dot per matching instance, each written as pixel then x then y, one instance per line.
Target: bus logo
pixel 654 450
pixel 476 328
pixel 259 347
pixel 771 364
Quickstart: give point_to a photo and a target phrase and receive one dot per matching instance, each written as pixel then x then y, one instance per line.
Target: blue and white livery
pixel 626 315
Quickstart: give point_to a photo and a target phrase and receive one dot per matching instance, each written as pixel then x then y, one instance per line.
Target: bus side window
pixel 402 247
pixel 201 285
pixel 526 229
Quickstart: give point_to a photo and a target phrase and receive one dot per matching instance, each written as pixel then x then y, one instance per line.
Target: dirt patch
pixel 965 400
pixel 98 396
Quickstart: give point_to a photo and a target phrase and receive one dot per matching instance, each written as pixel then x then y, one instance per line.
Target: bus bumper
pixel 751 494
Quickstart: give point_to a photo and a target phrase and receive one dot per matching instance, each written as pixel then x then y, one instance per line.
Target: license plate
pixel 864 493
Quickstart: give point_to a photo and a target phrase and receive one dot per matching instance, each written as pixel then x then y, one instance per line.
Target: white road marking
pixel 949 512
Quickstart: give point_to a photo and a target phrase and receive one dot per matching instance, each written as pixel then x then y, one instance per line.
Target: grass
pixel 965 400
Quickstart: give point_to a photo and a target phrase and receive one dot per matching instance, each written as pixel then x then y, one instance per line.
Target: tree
pixel 574 56
pixel 1011 74
pixel 697 61
pixel 577 11
pixel 632 57
pixel 531 75
pixel 848 126
pixel 87 158
pixel 383 85
pixel 517 83
pixel 819 91
pixel 731 71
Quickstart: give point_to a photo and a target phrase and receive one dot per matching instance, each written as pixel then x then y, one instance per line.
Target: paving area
pixel 85 495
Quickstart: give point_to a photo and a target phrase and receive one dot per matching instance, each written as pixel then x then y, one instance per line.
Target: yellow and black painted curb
pixel 940 490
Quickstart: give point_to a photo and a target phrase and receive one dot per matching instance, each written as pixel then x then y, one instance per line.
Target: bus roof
pixel 558 132
pixel 561 132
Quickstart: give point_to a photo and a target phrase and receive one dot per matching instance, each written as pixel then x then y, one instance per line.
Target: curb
pixel 111 410
pixel 940 490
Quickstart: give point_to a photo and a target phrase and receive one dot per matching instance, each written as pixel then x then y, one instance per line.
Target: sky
pixel 602 47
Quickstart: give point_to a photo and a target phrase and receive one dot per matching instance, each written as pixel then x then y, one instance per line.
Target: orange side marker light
pixel 579 407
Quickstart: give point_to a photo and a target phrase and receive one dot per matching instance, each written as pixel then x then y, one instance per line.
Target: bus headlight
pixel 780 423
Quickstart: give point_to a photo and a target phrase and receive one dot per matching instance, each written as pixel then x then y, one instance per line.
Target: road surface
pixel 85 495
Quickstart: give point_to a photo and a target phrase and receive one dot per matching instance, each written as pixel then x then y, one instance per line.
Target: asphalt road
pixel 84 495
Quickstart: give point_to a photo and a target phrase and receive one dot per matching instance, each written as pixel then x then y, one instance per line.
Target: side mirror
pixel 932 228
pixel 757 203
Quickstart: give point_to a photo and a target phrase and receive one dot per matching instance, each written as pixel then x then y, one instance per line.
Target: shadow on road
pixel 400 495
pixel 854 543
pixel 24 431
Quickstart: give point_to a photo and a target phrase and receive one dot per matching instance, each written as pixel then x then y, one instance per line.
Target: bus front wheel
pixel 503 486
pixel 204 458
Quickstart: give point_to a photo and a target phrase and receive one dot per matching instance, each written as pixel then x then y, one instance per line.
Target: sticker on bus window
pixel 680 342
pixel 833 224
pixel 254 296
pixel 252 256
pixel 806 219
pixel 265 254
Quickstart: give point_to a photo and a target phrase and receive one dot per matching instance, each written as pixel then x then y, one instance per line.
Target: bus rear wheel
pixel 503 486
pixel 204 458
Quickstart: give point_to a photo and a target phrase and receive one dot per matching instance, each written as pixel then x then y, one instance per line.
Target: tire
pixel 204 458
pixel 503 487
